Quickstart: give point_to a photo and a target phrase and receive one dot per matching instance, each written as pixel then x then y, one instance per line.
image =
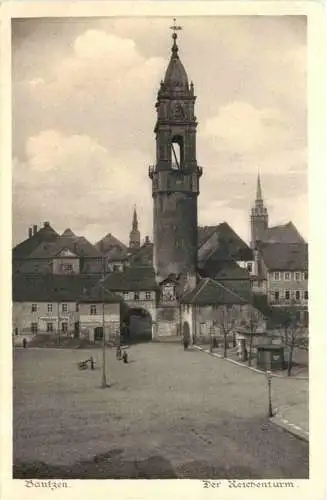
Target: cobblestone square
pixel 180 414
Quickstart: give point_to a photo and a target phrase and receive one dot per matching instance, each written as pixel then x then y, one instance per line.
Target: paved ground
pixel 168 413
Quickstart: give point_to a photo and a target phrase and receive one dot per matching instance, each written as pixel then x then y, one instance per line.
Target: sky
pixel 84 92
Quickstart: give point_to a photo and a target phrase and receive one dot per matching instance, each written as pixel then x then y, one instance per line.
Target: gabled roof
pixel 68 232
pixel 229 245
pixel 60 288
pixel 132 278
pixel 45 235
pixel 286 233
pixel 116 254
pixel 79 246
pixel 285 257
pixel 211 292
pixel 109 242
pixel 204 233
pixel 143 256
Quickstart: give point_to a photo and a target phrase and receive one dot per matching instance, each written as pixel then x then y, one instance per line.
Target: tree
pixel 292 332
pixel 226 321
pixel 251 325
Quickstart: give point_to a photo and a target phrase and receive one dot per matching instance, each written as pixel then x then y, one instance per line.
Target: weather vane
pixel 175 28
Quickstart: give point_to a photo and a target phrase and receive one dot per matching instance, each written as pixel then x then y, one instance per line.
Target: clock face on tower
pixel 178 111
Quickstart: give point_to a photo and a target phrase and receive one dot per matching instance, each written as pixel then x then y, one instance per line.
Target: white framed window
pixel 305 275
pixel 34 327
pixel 297 295
pixel 287 276
pixel 34 308
pixel 136 296
pixel 306 295
pixel 147 295
pixel 64 308
pixel 49 308
pixel 64 327
pixel 67 267
pixel 276 275
pixel 93 309
pixel 287 295
pixel 297 276
pixel 276 295
pixel 249 267
pixel 125 295
pixel 49 327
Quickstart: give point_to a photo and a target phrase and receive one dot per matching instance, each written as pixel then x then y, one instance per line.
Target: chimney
pixel 46 224
pixel 30 232
pixel 34 229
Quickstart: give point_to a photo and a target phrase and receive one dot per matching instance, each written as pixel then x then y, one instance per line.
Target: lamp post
pixel 104 382
pixel 269 377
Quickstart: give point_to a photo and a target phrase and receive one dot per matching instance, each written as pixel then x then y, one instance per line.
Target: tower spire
pixel 175 28
pixel 134 235
pixel 259 190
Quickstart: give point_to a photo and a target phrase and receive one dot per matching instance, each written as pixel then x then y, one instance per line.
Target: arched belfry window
pixel 177 152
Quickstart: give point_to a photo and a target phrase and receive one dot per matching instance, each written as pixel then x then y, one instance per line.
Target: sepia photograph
pixel 160 318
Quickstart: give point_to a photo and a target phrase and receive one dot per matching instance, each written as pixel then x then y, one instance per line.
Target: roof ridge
pixel 201 287
pixel 218 284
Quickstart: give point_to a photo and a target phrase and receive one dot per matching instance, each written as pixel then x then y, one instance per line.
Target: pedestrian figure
pixel 118 353
pixel 185 342
pixel 125 357
pixel 24 343
pixel 92 363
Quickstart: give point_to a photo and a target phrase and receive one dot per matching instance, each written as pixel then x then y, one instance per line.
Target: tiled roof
pixel 210 292
pixel 26 247
pixel 132 278
pixel 77 245
pixel 285 257
pixel 224 270
pixel 68 232
pixel 204 233
pixel 286 233
pixel 109 242
pixel 229 246
pixel 59 288
pixel 143 256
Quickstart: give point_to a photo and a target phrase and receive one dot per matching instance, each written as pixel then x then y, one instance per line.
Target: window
pixel 93 309
pixel 64 308
pixel 64 327
pixel 249 267
pixel 147 295
pixel 297 295
pixel 287 294
pixel 34 327
pixel 287 276
pixel 49 327
pixel 67 267
pixel 297 276
pixel 306 295
pixel 125 295
pixel 276 296
pixel 34 308
pixel 49 308
pixel 136 296
pixel 305 275
pixel 277 276
pixel 77 307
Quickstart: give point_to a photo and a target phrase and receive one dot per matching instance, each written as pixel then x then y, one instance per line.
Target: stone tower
pixel 175 175
pixel 259 218
pixel 134 235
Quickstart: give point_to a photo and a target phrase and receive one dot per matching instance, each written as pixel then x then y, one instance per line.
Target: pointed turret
pixel 134 235
pixel 259 218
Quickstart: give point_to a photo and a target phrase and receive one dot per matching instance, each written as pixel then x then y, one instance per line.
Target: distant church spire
pixel 259 191
pixel 259 218
pixel 134 235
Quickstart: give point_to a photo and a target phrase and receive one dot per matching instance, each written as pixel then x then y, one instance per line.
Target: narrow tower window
pixel 177 152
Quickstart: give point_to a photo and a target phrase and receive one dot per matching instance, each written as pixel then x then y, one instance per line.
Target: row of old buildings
pixel 188 279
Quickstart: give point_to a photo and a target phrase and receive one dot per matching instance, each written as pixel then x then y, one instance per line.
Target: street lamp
pixel 104 382
pixel 269 377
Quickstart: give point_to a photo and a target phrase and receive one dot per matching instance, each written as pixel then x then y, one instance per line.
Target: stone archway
pixel 137 325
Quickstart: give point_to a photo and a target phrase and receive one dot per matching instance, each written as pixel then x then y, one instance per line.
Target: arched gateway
pixel 136 325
